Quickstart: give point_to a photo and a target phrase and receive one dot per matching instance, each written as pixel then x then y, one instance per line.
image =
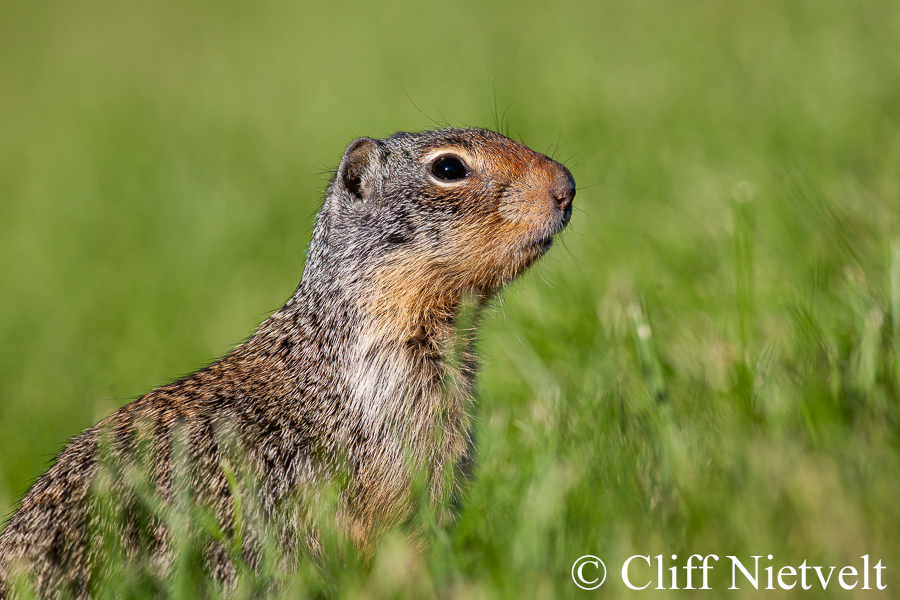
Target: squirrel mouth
pixel 539 246
pixel 539 242
pixel 544 243
pixel 543 240
pixel 567 216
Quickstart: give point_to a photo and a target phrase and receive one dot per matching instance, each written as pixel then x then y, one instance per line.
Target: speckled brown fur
pixel 354 372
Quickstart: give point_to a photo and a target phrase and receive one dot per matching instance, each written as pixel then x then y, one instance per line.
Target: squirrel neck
pixel 400 299
pixel 390 340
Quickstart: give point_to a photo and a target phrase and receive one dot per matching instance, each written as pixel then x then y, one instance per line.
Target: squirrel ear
pixel 359 166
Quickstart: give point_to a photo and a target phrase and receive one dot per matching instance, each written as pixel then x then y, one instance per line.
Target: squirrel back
pixel 364 371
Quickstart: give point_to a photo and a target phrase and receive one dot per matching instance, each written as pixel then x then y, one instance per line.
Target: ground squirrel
pixel 353 370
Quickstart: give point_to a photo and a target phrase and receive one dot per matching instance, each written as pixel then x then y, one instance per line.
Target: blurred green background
pixel 707 362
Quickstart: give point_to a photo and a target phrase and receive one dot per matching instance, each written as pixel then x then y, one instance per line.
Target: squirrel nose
pixel 562 190
pixel 563 195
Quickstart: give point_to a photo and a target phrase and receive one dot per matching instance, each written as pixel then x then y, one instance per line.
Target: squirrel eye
pixel 449 168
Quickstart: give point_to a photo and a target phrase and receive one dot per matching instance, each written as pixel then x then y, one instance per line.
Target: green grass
pixel 708 362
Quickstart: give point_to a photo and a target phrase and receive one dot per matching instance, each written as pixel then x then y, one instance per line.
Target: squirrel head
pixel 416 220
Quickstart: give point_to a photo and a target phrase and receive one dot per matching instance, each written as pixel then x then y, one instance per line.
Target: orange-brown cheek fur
pixel 410 295
pixel 489 254
pixel 424 290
